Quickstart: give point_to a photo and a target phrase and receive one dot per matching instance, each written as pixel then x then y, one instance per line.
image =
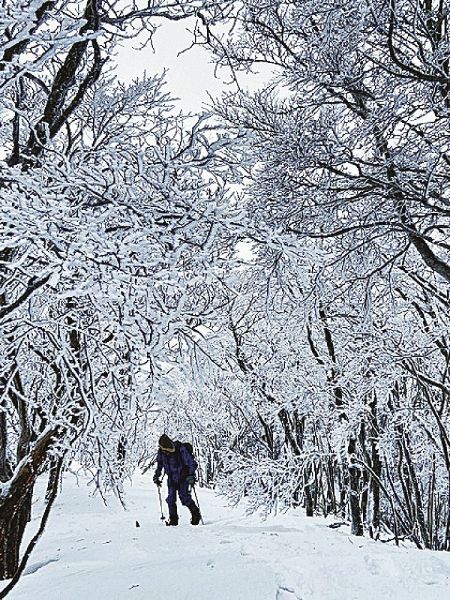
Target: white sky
pixel 190 75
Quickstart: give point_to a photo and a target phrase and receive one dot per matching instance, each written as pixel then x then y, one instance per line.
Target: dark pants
pixel 184 494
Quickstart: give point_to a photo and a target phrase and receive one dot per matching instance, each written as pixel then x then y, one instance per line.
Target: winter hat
pixel 166 444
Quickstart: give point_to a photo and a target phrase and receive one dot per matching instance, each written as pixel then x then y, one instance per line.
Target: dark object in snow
pixel 179 464
pixel 337 524
pixel 137 524
pixel 195 520
pixel 196 516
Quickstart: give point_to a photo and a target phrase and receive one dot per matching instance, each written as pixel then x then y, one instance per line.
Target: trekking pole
pixel 163 518
pixel 198 504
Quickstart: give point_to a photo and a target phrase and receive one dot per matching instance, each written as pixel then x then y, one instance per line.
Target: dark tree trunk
pixel 375 485
pixel 14 516
pixel 309 506
pixel 5 468
pixel 354 476
pixel 15 507
pixel 331 479
pixel 364 476
pixel 343 490
pixel 53 482
pixel 376 467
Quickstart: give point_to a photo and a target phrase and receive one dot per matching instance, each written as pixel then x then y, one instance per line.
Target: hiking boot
pixel 196 516
pixel 196 519
pixel 173 515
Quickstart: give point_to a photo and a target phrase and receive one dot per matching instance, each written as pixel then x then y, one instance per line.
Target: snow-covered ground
pixel 93 552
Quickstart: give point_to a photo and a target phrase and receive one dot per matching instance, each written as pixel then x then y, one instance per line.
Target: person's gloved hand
pixel 190 479
pixel 156 480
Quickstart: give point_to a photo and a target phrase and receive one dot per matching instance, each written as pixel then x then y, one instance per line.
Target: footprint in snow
pixel 285 593
pixel 38 565
pixel 372 566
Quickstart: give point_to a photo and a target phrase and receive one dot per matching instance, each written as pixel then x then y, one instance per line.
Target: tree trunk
pixel 308 495
pixel 53 480
pixel 375 485
pixel 5 468
pixel 376 466
pixel 14 516
pixel 353 478
pixel 15 506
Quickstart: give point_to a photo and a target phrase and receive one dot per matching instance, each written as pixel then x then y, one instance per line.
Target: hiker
pixel 179 466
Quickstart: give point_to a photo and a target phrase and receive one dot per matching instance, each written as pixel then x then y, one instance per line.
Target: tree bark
pixel 14 516
pixel 5 468
pixel 15 505
pixel 354 475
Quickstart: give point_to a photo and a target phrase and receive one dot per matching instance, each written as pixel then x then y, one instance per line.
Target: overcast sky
pixel 190 75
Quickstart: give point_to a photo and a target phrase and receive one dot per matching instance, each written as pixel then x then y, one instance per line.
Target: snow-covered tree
pixel 350 138
pixel 113 212
pixel 349 144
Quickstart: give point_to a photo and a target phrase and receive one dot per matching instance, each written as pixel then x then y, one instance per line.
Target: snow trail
pixel 94 552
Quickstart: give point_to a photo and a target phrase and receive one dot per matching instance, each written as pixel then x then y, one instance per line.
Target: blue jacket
pixel 177 465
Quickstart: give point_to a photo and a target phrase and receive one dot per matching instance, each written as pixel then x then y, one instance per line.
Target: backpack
pixel 189 449
pixel 187 445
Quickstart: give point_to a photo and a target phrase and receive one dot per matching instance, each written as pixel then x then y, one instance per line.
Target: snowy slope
pixel 94 552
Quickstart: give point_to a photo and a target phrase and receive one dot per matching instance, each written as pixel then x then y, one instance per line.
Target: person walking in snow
pixel 179 465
